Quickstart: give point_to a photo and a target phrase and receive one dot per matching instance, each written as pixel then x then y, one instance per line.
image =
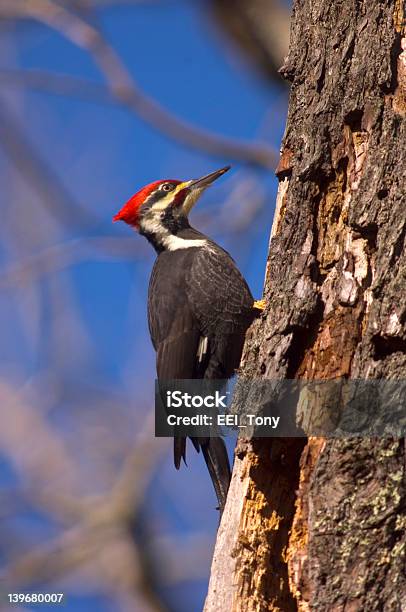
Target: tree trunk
pixel 319 524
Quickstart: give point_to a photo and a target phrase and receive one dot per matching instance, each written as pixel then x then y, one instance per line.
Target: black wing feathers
pixel 198 293
pixel 218 295
pixel 222 304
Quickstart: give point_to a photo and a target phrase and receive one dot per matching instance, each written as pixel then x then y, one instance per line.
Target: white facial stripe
pixel 152 225
pixel 174 243
pixel 168 240
pixel 164 202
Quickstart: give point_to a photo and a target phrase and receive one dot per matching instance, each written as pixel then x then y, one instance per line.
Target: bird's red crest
pixel 130 211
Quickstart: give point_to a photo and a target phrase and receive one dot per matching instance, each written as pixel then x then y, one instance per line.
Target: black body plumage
pixel 197 293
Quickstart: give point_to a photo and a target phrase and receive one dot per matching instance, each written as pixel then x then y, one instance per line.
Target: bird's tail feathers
pixel 215 455
pixel 179 450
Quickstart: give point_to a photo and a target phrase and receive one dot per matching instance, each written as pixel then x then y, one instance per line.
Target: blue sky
pixel 102 154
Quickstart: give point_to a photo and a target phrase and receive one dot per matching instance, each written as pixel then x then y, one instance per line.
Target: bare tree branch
pixel 91 504
pixel 259 27
pixel 101 4
pixel 122 88
pixel 69 253
pixel 100 522
pixel 29 162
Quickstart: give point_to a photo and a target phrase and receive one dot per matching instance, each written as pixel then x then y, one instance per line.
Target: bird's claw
pixel 260 304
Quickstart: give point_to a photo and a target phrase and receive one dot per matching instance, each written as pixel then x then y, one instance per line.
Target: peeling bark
pixel 322 526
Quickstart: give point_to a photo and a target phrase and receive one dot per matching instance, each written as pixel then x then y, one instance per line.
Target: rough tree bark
pixel 320 524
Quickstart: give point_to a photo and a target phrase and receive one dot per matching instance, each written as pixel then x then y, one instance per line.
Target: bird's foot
pixel 260 304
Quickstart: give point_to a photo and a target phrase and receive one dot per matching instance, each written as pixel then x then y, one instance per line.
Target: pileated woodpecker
pixel 199 305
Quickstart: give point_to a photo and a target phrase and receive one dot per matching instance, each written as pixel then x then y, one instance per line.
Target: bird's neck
pixel 170 233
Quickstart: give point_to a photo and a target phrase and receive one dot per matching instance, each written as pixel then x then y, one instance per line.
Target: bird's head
pixel 156 200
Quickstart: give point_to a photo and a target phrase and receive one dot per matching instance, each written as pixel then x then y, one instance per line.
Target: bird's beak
pixel 197 186
pixel 208 179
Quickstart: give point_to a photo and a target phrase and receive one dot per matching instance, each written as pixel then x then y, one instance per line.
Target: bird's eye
pixel 167 187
